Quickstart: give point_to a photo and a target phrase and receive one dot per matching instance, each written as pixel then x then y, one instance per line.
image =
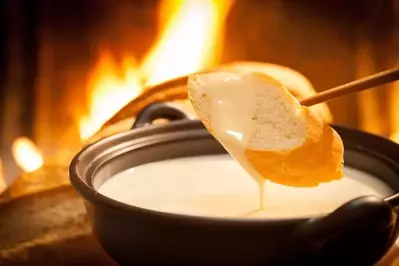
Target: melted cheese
pixel 217 186
pixel 266 130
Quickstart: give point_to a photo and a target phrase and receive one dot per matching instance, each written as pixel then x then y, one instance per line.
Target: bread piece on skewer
pixel 265 128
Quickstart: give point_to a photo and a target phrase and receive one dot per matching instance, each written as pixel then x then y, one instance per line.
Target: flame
pixel 26 154
pixel 394 109
pixel 2 178
pixel 395 137
pixel 114 86
pixel 189 41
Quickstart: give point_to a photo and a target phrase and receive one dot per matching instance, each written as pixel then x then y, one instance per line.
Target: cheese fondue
pixel 217 186
pixel 264 127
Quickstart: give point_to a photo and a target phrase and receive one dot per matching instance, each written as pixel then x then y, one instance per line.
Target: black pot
pixel 358 233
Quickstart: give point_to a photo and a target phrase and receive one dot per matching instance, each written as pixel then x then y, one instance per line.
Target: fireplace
pixel 68 66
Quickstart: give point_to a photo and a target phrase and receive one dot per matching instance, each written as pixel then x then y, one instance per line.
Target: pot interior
pixel 104 159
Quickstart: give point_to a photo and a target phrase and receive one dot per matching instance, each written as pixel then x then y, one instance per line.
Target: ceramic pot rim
pixel 85 164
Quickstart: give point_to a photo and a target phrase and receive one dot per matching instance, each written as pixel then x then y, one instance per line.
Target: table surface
pixel 44 223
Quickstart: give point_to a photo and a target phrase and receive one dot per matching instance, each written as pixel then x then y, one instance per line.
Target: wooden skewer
pixel 354 86
pixel 340 91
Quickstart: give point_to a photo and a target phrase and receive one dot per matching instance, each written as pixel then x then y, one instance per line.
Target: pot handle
pixel 158 110
pixel 361 229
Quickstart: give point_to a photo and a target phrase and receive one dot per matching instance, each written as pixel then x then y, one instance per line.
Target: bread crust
pixel 317 160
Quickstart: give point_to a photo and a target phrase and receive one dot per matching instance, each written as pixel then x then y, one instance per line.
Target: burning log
pixel 42 220
pixel 175 90
pixel 168 91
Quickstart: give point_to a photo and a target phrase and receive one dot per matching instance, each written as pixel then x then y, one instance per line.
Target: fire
pixel 189 41
pixel 2 178
pixel 394 109
pixel 26 154
pixel 114 86
pixel 395 137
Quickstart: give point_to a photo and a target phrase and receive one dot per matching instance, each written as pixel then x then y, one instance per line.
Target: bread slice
pixel 266 129
pixel 298 85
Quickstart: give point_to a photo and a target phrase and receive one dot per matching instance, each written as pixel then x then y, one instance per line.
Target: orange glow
pixel 393 104
pixel 26 154
pixel 2 177
pixel 112 86
pixel 189 41
pixel 395 137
